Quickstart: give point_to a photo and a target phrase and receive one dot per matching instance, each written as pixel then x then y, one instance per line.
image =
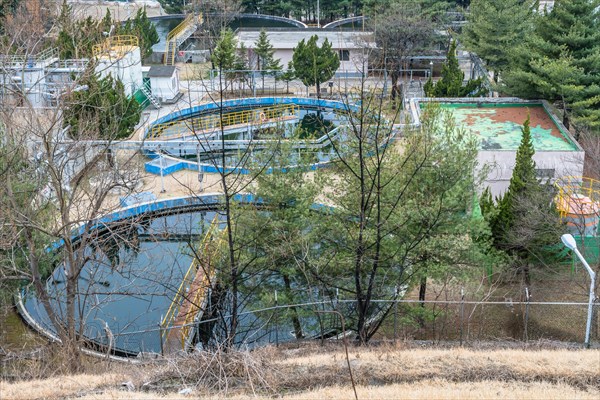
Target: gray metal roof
pixel 161 71
pixel 284 38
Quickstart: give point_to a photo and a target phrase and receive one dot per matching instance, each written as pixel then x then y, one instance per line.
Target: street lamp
pixel 431 69
pixel 570 242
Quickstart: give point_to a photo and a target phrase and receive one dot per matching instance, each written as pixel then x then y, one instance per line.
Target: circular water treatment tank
pixel 581 214
pixel 138 291
pixel 136 262
pixel 578 202
pixel 249 126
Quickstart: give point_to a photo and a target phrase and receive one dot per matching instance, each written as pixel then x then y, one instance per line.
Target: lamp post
pixel 318 14
pixel 431 69
pixel 570 242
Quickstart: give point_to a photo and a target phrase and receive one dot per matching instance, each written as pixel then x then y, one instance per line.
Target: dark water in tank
pixel 164 26
pixel 130 280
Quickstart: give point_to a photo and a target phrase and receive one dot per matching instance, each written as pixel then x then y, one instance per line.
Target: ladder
pixel 150 97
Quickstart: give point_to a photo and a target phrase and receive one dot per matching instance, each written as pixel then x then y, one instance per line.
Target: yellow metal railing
pixel 570 186
pixel 115 43
pixel 215 122
pixel 187 281
pixel 180 28
pixel 201 292
pixel 173 36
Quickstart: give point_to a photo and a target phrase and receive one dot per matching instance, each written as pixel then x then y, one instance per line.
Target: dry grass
pixel 381 366
pixel 59 387
pixel 312 372
pixel 425 390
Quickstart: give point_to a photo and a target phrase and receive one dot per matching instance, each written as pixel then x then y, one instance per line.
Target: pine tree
pixel 315 65
pixel 65 39
pixel 106 25
pixel 560 60
pixel 241 63
pixel 451 83
pixel 525 223
pixel 496 26
pixel 224 55
pixel 288 75
pixel 523 179
pixel 145 30
pixel 264 51
pixel 103 110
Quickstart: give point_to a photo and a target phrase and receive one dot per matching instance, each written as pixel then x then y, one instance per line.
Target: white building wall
pixel 352 66
pixel 357 63
pixel 125 66
pixel 502 163
pixel 286 55
pixel 165 88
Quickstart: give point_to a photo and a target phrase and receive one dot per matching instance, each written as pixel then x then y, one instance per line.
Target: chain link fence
pixel 453 321
pixel 459 322
pixel 346 84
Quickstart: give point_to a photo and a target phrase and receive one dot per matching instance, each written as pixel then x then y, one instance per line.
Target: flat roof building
pixel 352 46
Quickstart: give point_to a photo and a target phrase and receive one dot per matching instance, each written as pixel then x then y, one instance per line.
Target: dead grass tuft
pixel 212 373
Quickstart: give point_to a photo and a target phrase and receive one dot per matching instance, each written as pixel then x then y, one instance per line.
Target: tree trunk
pixel 295 320
pixel 394 95
pixel 422 295
pixel 233 271
pixel 527 274
pixel 422 291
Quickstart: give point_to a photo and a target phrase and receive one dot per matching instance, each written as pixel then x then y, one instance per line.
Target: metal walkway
pixel 180 34
pixel 194 146
pixel 229 121
pixel 192 296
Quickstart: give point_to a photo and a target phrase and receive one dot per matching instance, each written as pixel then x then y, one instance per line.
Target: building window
pixel 344 55
pixel 545 173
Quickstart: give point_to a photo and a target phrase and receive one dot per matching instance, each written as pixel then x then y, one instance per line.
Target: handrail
pixel 113 42
pixel 201 292
pixel 43 55
pixel 234 118
pixel 568 186
pixel 180 28
pixel 174 35
pixel 187 280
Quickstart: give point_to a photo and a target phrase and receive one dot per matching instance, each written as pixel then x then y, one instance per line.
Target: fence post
pixel 525 332
pixel 395 312
pixel 462 313
pixel 160 338
pixel 595 314
pixel 276 322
